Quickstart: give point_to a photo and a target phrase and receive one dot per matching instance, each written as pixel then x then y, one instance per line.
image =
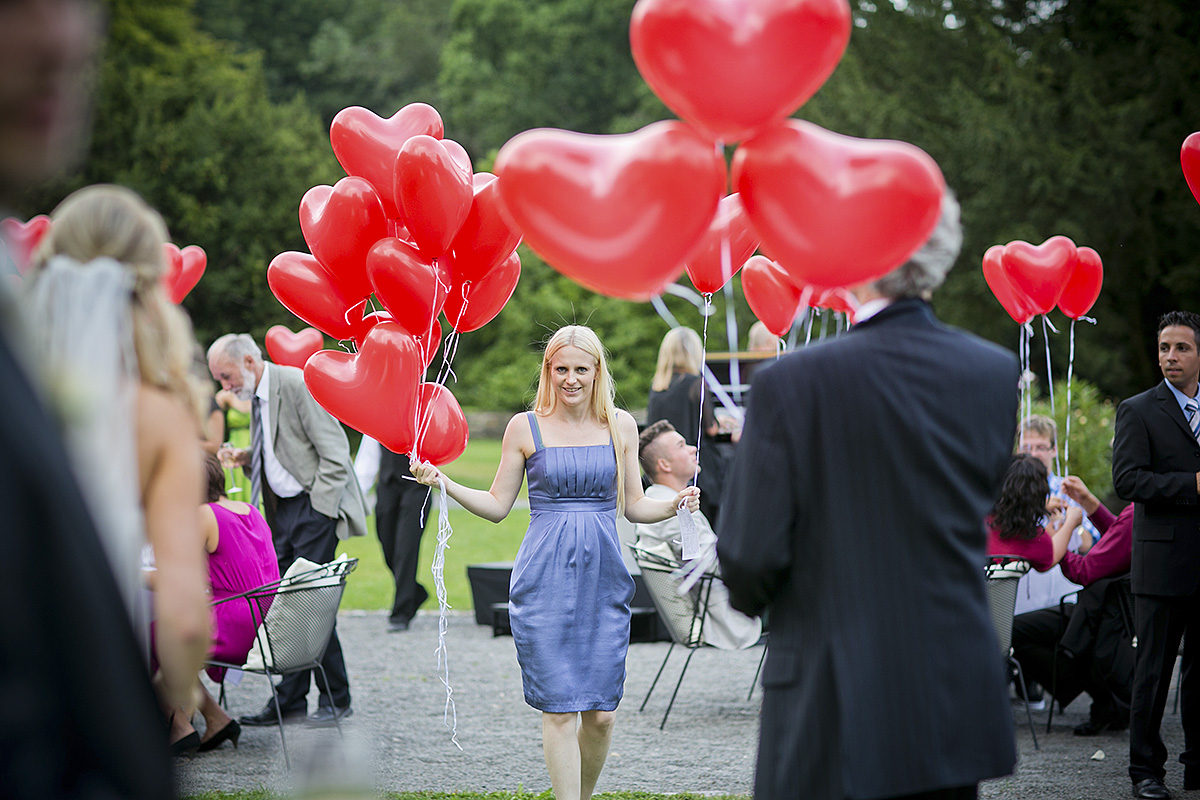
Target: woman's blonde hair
pixel 114 222
pixel 681 351
pixel 603 403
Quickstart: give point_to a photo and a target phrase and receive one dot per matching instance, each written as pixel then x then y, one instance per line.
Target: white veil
pixel 81 333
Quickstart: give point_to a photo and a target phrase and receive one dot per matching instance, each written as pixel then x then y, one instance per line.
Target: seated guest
pixel 1038 436
pixel 1095 654
pixel 1015 524
pixel 241 556
pixel 670 462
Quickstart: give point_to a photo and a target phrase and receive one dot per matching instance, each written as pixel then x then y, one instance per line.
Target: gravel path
pixel 397 740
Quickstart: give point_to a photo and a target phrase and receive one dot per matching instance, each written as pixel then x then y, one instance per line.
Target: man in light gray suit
pixel 299 461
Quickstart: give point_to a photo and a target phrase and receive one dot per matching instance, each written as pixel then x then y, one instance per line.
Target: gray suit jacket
pixel 855 510
pixel 311 445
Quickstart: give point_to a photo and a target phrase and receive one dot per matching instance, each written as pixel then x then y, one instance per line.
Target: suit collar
pixel 908 309
pixel 1170 406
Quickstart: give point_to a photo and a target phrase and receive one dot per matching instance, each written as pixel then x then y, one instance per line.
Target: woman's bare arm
pixel 496 502
pixel 638 507
pixel 169 463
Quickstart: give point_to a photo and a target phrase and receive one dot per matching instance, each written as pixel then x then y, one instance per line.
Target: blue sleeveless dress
pixel 570 590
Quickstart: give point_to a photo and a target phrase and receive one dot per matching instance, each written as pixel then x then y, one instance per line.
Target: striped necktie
pixel 256 450
pixel 1192 409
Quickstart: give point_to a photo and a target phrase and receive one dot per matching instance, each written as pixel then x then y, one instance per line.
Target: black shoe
pixel 185 746
pixel 1151 789
pixel 325 717
pixel 231 732
pixel 268 717
pixel 397 625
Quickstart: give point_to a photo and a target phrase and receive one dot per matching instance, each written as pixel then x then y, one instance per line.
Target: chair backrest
pixel 297 615
pixel 1002 579
pixel 683 614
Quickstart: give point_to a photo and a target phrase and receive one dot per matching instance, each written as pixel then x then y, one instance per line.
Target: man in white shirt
pixel 670 462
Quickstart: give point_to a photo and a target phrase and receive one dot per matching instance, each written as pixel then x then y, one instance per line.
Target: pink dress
pixel 244 559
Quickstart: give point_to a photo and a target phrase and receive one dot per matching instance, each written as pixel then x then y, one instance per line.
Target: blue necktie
pixel 256 450
pixel 1192 409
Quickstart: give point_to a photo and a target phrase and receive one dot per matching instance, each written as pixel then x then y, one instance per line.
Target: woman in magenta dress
pixel 241 556
pixel 1015 524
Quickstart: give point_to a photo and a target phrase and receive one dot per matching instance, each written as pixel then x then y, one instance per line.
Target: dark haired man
pixel 1156 464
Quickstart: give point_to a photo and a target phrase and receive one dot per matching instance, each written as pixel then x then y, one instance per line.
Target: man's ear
pixel 662 465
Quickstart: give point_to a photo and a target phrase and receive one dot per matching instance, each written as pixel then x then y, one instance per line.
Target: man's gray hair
pixel 234 346
pixel 926 269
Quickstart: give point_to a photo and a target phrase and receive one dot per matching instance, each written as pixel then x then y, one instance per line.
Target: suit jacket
pixel 1155 461
pixel 855 510
pixel 311 445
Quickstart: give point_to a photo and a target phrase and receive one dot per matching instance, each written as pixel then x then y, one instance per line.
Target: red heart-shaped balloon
pixel 1017 306
pixel 427 343
pixel 470 306
pixel 733 67
pixel 835 300
pixel 184 268
pixel 374 390
pixel 770 293
pixel 433 191
pixel 23 238
pixel 442 431
pixel 835 210
pixel 730 240
pixel 615 213
pixel 1039 272
pixel 304 287
pixel 459 154
pixel 1189 158
pixel 1083 286
pixel 292 349
pixel 366 144
pixel 407 285
pixel 340 224
pixel 485 238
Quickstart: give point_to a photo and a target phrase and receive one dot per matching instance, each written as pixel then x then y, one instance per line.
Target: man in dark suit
pixel 1156 464
pixel 299 460
pixel 855 512
pixel 401 511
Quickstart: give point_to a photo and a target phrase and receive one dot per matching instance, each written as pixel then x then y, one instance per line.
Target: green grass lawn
pixel 473 541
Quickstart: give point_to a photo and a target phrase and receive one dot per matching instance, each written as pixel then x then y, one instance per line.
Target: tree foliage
pixel 1046 118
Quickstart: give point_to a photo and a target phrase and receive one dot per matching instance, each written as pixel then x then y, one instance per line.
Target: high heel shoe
pixel 186 745
pixel 232 731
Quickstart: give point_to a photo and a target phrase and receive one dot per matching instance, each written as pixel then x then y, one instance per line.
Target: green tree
pixel 185 121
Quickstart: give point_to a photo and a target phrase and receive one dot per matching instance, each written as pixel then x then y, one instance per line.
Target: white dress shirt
pixel 282 482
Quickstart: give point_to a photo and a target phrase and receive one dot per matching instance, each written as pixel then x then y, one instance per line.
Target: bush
pixel 1088 454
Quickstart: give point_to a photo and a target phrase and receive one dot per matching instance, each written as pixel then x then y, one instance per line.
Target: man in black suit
pixel 1156 464
pixel 855 512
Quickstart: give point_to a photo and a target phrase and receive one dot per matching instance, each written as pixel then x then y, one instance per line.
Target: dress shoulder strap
pixel 537 432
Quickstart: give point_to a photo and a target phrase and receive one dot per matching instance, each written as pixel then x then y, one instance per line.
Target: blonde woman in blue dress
pixel 570 590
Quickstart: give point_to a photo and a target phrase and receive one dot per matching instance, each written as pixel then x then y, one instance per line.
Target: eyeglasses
pixel 1036 448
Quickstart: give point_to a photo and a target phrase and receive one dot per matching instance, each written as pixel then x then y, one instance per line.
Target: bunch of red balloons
pixel 625 214
pixel 1029 280
pixel 413 227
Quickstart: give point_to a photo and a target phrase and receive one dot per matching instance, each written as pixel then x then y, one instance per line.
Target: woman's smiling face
pixel 573 372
